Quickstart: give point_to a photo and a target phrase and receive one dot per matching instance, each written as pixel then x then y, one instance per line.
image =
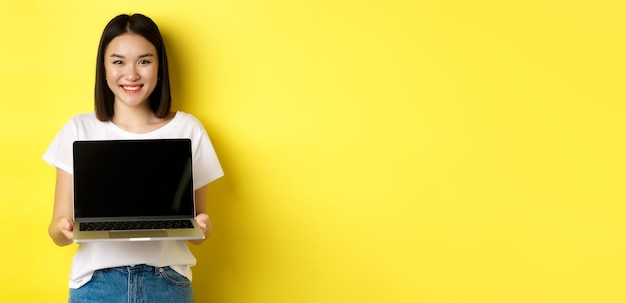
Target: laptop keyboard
pixel 136 225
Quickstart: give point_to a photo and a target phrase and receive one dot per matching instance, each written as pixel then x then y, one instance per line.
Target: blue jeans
pixel 134 284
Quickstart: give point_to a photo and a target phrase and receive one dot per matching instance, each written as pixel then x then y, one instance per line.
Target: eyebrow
pixel 141 56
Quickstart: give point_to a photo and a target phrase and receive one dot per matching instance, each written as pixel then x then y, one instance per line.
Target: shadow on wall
pixel 217 257
pixel 184 65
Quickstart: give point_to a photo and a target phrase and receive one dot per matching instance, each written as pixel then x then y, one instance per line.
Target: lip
pixel 131 89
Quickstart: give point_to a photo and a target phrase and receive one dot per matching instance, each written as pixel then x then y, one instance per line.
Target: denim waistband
pixel 138 268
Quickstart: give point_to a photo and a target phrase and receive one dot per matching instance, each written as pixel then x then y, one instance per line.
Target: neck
pixel 132 115
pixel 138 119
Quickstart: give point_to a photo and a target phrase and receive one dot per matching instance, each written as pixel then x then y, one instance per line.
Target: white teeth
pixel 131 87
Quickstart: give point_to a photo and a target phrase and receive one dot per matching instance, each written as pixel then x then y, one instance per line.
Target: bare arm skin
pixel 201 216
pixel 61 225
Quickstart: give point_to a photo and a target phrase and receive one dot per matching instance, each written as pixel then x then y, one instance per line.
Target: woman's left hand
pixel 205 223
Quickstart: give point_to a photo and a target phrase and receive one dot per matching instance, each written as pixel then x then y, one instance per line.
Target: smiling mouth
pixel 131 89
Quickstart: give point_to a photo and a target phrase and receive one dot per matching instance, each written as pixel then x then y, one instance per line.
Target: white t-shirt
pixel 98 255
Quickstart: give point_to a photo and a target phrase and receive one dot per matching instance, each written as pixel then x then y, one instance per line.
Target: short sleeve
pixel 59 153
pixel 206 166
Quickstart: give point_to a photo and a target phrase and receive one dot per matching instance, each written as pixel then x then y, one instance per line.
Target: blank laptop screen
pixel 133 178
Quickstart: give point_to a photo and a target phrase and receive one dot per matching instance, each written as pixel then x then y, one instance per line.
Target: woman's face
pixel 131 64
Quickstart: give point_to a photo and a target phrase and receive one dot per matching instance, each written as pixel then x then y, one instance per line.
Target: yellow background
pixel 375 151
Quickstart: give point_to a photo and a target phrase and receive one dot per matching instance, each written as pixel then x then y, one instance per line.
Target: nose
pixel 131 73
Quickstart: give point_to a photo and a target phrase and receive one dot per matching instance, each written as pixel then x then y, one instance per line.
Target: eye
pixel 144 62
pixel 118 62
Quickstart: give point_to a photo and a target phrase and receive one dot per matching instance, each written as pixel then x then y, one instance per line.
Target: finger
pixel 66 224
pixel 69 234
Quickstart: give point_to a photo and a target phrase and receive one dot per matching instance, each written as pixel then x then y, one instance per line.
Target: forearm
pixel 201 217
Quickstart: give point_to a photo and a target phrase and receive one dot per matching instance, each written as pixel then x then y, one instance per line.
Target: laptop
pixel 134 190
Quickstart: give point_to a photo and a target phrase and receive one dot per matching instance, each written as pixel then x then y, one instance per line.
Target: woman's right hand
pixel 66 226
pixel 61 231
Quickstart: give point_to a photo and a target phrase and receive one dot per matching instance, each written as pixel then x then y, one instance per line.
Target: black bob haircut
pixel 161 98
